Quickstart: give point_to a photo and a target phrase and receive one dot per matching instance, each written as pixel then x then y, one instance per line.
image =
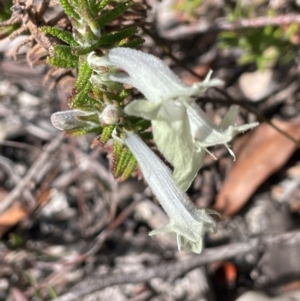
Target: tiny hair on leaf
pixel 112 14
pixel 62 62
pixel 64 36
pixel 69 10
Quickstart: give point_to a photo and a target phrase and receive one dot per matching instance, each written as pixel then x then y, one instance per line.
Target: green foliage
pixel 117 151
pixel 134 43
pixel 52 293
pixel 15 241
pixel 106 134
pixel 112 14
pixel 65 52
pixel 82 15
pixel 5 10
pixel 116 38
pixel 110 40
pixel 89 30
pixel 84 74
pixel 83 131
pixel 80 98
pixel 123 161
pixel 263 45
pixel 130 167
pixel 5 14
pixel 240 11
pixel 140 125
pixel 64 36
pixel 69 9
pixel 101 5
pixel 62 62
pixel 188 6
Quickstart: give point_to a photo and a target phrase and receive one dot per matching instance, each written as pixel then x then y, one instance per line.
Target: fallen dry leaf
pixel 12 216
pixel 265 152
pixel 17 211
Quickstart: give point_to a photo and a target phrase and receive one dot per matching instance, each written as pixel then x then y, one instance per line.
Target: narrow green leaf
pixel 64 51
pixel 62 62
pixel 64 57
pixel 141 125
pixel 146 136
pixel 112 14
pixel 117 151
pixel 106 134
pixel 93 5
pixel 84 50
pixel 92 118
pixel 69 9
pixel 81 5
pixel 131 165
pixel 111 39
pixel 116 37
pixel 102 4
pixel 87 130
pixel 84 74
pixel 65 36
pixel 52 293
pixel 136 42
pixel 123 161
pixel 80 98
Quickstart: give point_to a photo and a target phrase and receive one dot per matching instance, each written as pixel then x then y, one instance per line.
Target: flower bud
pixel 110 115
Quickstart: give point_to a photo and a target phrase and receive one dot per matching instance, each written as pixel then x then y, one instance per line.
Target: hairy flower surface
pixel 73 119
pixel 186 221
pixel 181 130
pixel 167 99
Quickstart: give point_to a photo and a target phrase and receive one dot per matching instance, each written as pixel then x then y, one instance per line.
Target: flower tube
pixel 186 220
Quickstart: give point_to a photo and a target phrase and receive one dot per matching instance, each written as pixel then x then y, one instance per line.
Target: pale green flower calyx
pixel 186 221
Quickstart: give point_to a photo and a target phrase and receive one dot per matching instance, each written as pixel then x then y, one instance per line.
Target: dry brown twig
pixel 174 270
pixel 222 25
pixel 31 18
pixel 24 182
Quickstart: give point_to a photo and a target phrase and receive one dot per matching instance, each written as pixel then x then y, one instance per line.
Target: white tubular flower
pixel 154 79
pixel 181 130
pixel 166 106
pixel 186 221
